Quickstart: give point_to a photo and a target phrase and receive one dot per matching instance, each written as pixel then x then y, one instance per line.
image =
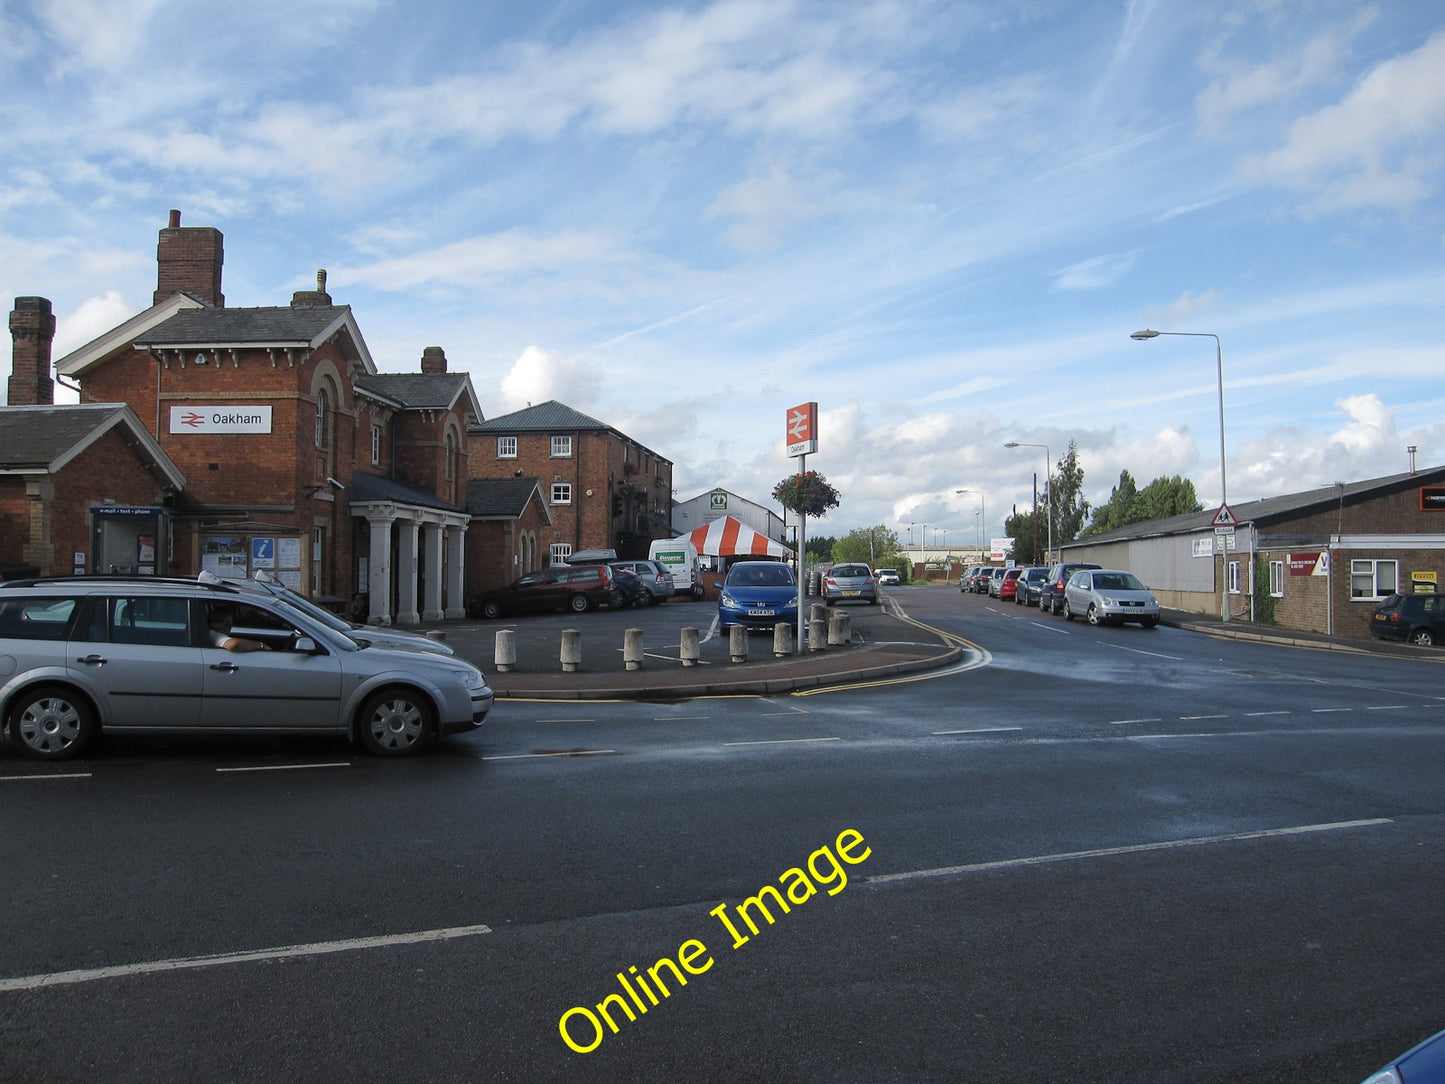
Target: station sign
pixel 230 418
pixel 802 435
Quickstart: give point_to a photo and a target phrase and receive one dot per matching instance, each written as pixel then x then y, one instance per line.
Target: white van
pixel 679 556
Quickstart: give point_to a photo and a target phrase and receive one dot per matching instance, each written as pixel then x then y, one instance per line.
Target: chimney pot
pixel 433 360
pixel 32 332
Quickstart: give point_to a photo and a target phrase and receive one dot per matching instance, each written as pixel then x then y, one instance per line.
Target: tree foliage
pixel 1030 529
pixel 875 546
pixel 1127 503
pixel 820 548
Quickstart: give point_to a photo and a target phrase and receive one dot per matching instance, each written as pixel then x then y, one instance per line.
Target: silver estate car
pixel 1109 596
pixel 148 655
pixel 849 583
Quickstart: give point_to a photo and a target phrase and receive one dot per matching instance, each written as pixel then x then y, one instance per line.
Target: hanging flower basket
pixel 808 493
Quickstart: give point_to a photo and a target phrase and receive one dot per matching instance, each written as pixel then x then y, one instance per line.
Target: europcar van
pixel 679 556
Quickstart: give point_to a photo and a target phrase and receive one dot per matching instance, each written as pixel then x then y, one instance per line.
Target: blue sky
pixel 939 220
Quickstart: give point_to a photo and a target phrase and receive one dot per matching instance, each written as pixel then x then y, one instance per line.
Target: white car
pixel 1109 596
pixel 888 577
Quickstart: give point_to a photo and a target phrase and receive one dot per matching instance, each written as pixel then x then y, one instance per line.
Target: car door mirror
pixel 305 646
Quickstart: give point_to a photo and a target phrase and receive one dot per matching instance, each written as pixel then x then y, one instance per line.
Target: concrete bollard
pixel 687 647
pixel 840 629
pixel 505 654
pixel 571 650
pixel 738 643
pixel 440 635
pixel 632 649
pixel 817 610
pixel 817 633
pixel 782 639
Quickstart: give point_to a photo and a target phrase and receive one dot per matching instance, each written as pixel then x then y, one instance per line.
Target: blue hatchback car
pixel 1423 1064
pixel 758 594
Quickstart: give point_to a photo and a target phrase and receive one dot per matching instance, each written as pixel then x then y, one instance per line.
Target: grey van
pixel 142 655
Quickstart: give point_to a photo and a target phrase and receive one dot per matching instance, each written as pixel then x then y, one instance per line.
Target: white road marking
pixel 1385 707
pixel 287 767
pixel 1328 711
pixel 1258 714
pixel 1137 848
pixel 780 741
pixel 1196 718
pixel 186 963
pixel 1141 651
pixel 981 730
pixel 1130 722
pixel 53 775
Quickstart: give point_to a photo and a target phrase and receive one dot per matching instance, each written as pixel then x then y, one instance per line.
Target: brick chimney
pixel 32 329
pixel 309 299
pixel 433 360
pixel 188 259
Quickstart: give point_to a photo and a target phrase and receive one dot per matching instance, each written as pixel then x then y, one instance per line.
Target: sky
pixel 940 221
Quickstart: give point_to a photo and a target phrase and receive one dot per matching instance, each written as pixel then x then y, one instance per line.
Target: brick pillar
pixel 188 260
pixel 32 331
pixel 433 360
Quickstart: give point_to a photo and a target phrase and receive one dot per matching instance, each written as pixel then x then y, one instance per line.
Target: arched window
pixel 323 409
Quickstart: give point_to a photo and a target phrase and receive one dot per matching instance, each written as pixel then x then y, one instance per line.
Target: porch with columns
pixel 422 553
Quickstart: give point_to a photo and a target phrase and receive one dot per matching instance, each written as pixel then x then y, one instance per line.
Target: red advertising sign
pixel 1303 564
pixel 802 435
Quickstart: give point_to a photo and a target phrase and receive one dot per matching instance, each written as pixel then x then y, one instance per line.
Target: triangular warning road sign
pixel 1224 518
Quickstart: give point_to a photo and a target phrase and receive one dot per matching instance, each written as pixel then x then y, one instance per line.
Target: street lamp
pixel 1150 333
pixel 1049 487
pixel 982 516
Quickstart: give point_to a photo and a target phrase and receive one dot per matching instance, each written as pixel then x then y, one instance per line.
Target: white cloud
pixel 1241 87
pixel 540 375
pixel 1383 145
pixel 1096 273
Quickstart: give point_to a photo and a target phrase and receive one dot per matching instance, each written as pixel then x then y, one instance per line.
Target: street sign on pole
pixel 1224 518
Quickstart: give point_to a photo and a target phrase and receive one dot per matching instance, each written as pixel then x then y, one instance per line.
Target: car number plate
pixel 849 593
pixel 761 613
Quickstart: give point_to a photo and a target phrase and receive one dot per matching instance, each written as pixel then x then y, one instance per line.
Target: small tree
pixel 808 493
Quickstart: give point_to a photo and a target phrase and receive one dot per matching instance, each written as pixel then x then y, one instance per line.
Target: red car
pixel 1010 583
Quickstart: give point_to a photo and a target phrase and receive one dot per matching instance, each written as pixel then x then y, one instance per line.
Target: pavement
pixel 883 644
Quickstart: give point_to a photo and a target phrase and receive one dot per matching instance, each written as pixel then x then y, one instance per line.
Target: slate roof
pixel 501 498
pixel 552 417
pixel 374 487
pixel 46 438
pixel 421 391
pixel 277 325
pixel 547 417
pixel 1269 511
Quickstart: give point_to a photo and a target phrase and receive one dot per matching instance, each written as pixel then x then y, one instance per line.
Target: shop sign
pixel 1432 498
pixel 1305 564
pixel 124 510
pixel 233 418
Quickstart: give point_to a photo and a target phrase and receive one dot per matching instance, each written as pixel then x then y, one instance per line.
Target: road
pixel 1104 854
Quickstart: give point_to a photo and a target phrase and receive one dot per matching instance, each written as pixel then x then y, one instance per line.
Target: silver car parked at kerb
pixel 1109 596
pixel 850 583
pixel 148 655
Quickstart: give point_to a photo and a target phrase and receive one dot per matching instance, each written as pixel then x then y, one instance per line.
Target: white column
pixel 432 586
pixel 456 604
pixel 406 552
pixel 378 580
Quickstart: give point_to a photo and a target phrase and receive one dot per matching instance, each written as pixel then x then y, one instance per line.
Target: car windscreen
pixel 1117 581
pixel 760 576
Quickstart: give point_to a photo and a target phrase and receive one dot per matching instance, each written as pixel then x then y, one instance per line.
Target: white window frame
pixel 1234 577
pixel 323 408
pixel 1276 579
pixel 1365 567
pixel 561 493
pixel 506 447
pixel 562 447
pixel 375 444
pixel 559 552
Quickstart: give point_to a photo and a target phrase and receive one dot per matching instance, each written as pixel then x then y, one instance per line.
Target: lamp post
pixel 1150 333
pixel 982 518
pixel 1049 488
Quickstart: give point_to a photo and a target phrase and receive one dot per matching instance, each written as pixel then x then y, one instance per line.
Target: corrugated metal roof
pixel 1269 511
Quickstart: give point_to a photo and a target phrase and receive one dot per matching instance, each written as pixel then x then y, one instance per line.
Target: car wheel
pixel 1093 616
pixel 1068 613
pixel 1422 638
pixel 580 604
pixel 492 609
pixel 52 724
pixel 395 723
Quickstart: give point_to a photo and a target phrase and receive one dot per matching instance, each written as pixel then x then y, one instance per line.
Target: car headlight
pixel 728 602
